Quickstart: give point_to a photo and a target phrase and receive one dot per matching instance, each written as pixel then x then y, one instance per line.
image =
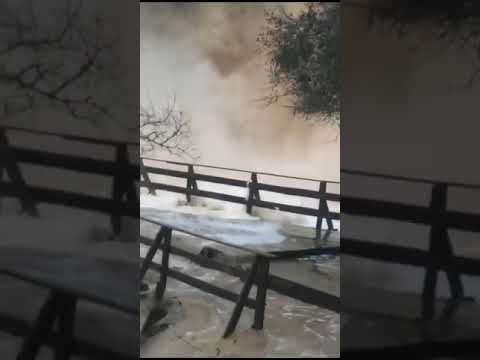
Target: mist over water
pixel 207 55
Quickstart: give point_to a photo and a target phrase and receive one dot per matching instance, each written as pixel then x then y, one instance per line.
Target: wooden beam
pixel 407 256
pixel 386 210
pixel 408 213
pixel 191 183
pixel 164 187
pixel 295 254
pixel 220 180
pixel 237 311
pixel 298 192
pixel 440 248
pixel 65 198
pixel 9 163
pixel 66 321
pixel 71 162
pixel 146 178
pixel 71 137
pixel 282 286
pixel 204 286
pixel 253 192
pixel 147 262
pixel 21 328
pixel 43 325
pixel 407 179
pixel 162 283
pixel 262 287
pixel 239 170
pixel 219 196
pixel 166 172
pixel 293 209
pixel 305 293
pixel 200 260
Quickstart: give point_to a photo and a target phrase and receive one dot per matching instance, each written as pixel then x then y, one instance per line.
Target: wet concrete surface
pixel 320 273
pixel 292 328
pixel 374 317
pixel 95 324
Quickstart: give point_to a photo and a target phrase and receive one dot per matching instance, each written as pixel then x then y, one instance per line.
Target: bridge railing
pixel 123 173
pixel 192 174
pixel 123 201
pixel 437 215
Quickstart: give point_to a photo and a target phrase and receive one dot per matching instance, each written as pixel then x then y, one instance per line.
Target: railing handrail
pixel 85 139
pixel 238 170
pixel 253 186
pixel 408 179
pixel 440 255
pixel 395 210
pixel 122 172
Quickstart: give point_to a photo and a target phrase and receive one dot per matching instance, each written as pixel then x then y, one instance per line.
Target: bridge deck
pixel 374 318
pixel 253 236
pixel 106 282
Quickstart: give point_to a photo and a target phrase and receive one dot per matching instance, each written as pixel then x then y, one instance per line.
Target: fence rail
pixel 281 285
pixel 253 199
pixel 439 256
pixel 238 170
pixel 408 179
pixel 72 137
pixel 123 174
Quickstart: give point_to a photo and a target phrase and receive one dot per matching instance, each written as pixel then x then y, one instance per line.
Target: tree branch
pixel 167 130
pixel 57 61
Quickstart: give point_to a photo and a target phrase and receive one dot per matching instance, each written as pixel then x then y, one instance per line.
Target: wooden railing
pixel 123 173
pixel 192 175
pixel 190 172
pixel 439 256
pixel 276 283
pixel 124 176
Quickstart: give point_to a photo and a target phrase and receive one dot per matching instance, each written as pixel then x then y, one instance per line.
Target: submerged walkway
pixel 375 318
pixel 195 320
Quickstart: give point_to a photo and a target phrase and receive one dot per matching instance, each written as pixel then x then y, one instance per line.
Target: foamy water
pixel 205 206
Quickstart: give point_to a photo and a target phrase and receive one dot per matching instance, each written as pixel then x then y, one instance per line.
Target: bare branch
pixel 53 62
pixel 168 130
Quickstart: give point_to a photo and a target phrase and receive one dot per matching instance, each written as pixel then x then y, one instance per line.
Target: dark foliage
pixel 455 22
pixel 304 59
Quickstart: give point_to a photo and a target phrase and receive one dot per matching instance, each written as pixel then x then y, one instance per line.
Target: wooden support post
pixel 123 185
pixel 66 322
pixel 262 286
pixel 131 190
pixel 162 284
pixel 41 329
pixel 58 305
pixel 232 324
pixel 7 162
pixel 191 183
pixel 117 191
pixel 152 251
pixel 3 140
pixel 323 211
pixel 146 178
pixel 456 286
pixel 253 192
pixel 440 249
